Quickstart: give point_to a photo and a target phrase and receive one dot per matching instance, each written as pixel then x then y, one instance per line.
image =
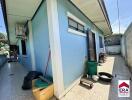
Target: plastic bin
pixel 92 68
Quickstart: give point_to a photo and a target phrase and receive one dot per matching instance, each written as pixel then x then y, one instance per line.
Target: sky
pixel 125 7
pixel 125 12
pixel 2 25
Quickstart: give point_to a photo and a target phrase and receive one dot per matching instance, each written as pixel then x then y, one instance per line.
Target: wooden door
pixel 91 46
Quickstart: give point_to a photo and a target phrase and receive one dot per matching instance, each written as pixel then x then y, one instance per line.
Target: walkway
pixel 12 74
pixel 11 79
pixel 102 91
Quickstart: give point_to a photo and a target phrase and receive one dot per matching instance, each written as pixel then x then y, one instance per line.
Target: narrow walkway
pixel 12 74
pixel 11 79
pixel 102 91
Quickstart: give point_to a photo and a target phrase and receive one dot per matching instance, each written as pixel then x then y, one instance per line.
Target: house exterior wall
pixel 123 50
pixel 128 46
pixel 41 45
pixel 41 39
pixel 71 47
pixel 74 49
pixel 99 49
pixel 25 59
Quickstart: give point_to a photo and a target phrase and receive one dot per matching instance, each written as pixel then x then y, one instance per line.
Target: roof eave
pixel 103 8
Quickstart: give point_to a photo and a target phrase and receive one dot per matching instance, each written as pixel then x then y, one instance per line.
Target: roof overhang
pixel 95 11
pixel 18 11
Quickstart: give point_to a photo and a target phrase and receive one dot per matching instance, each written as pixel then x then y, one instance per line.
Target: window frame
pixel 83 31
pixel 75 28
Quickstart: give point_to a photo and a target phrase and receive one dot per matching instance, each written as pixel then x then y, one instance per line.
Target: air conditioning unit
pixel 20 31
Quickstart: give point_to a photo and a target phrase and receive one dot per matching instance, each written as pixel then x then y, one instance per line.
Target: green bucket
pixel 92 68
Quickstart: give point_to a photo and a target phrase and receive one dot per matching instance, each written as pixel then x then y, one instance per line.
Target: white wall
pixel 114 49
pixel 128 40
pixel 123 47
pixel 127 46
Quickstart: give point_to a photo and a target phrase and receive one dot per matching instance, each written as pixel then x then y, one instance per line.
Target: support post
pixel 55 45
pixel 31 45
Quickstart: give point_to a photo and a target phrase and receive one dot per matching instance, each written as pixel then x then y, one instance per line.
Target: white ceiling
pixel 92 9
pixel 19 11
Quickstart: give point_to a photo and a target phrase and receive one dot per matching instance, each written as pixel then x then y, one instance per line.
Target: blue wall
pixel 73 46
pixel 41 39
pixel 98 49
pixel 40 43
pixel 25 60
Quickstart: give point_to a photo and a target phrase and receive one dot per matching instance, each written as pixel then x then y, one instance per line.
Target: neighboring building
pixel 113 44
pixel 126 46
pixel 59 26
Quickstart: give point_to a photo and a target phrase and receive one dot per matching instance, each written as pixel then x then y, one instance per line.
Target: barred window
pixel 75 25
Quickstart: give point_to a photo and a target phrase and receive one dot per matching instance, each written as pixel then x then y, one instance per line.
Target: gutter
pixel 103 8
pixel 3 5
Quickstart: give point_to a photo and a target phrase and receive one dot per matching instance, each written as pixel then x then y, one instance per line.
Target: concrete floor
pixel 11 79
pixel 102 91
pixel 12 74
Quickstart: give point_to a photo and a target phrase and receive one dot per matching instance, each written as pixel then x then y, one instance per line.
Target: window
pixel 100 42
pixel 75 25
pixel 23 47
pixel 72 24
pixel 81 28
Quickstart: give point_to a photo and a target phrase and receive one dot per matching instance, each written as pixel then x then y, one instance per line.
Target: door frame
pixel 88 45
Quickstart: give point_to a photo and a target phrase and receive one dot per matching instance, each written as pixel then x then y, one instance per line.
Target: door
pixel 91 46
